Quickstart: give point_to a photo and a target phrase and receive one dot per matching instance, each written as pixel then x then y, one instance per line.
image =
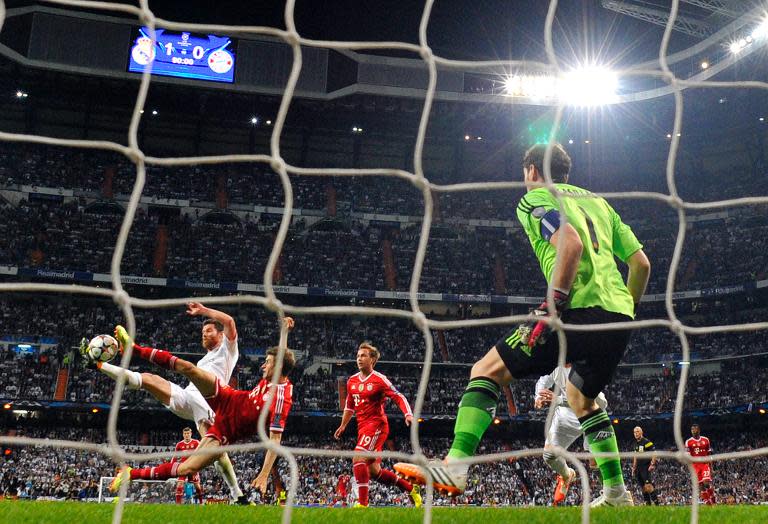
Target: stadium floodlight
pixel 269 122
pixel 704 64
pixel 21 94
pixel 735 47
pixel 762 119
pixel 254 120
pixel 154 112
pixel 570 140
pixel 760 31
pixel 588 86
pixel 466 137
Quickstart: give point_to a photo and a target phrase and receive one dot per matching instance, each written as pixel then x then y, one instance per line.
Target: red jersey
pixel 698 447
pixel 185 446
pixel 343 483
pixel 237 411
pixel 367 396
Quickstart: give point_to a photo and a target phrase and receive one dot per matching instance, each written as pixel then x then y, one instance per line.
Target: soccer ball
pixel 103 348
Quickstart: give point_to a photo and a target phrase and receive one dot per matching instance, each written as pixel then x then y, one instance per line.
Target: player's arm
pixel 230 328
pixel 399 399
pixel 346 417
pixel 628 248
pixel 543 395
pixel 639 273
pixel 569 248
pixel 649 446
pixel 260 482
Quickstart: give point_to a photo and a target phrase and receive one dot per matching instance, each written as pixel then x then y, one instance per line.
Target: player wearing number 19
pixel 577 237
pixel 367 392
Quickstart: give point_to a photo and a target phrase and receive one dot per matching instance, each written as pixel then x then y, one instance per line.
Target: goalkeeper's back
pixel 598 282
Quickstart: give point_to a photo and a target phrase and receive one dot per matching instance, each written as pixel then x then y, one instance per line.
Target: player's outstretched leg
pixel 133 379
pixel 476 412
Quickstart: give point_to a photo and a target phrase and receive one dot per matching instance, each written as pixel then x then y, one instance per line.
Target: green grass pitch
pixel 25 512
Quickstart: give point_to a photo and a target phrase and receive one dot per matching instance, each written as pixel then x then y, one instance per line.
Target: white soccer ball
pixel 103 348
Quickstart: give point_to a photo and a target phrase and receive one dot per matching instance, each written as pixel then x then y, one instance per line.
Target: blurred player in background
pixel 563 431
pixel 642 467
pixel 367 392
pixel 342 490
pixel 699 446
pixel 187 444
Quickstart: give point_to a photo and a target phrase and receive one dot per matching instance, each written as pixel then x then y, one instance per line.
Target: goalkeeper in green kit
pixel 586 234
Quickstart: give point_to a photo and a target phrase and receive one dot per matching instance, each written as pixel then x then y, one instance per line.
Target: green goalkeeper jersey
pixel 598 282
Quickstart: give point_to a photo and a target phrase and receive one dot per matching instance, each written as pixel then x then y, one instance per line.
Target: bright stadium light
pixel 589 86
pixel 735 47
pixel 254 120
pixel 704 64
pixel 760 31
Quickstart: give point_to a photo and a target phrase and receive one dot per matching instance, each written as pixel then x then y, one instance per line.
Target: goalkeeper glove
pixel 535 331
pixel 84 347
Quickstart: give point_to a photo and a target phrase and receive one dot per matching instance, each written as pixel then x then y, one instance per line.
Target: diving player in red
pixel 237 412
pixel 367 392
pixel 699 446
pixel 188 444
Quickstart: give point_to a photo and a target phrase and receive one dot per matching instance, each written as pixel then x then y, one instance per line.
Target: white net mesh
pixel 417 178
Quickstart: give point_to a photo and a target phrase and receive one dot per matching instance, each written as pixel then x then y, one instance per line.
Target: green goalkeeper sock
pixel 476 411
pixel 599 433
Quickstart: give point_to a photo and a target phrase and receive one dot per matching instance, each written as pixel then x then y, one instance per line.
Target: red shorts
pixel 194 478
pixel 236 415
pixel 371 437
pixel 703 471
pixel 341 492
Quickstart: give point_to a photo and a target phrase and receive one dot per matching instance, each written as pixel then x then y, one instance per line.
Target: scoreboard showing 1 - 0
pixel 183 54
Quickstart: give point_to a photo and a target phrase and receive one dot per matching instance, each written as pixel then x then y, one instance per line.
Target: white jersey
pixel 560 376
pixel 220 361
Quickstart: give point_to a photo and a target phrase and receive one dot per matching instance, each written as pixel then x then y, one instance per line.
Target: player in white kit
pixel 564 430
pixel 219 338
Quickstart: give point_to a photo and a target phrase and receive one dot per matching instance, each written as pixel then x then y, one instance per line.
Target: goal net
pixel 658 70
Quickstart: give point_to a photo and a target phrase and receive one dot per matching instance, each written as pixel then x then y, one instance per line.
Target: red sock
pixel 711 496
pixel 179 492
pixel 362 476
pixel 162 358
pixel 199 493
pixel 164 471
pixel 390 479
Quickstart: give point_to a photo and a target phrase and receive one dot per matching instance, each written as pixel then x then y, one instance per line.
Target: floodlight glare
pixel 589 86
pixel 760 31
pixel 704 64
pixel 735 47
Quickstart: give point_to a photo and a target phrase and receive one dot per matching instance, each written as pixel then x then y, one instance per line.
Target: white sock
pixel 227 472
pixel 559 465
pixel 133 379
pixel 616 491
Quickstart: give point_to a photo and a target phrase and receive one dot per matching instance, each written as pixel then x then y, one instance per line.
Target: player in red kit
pixel 237 413
pixel 699 446
pixel 367 392
pixel 342 490
pixel 188 444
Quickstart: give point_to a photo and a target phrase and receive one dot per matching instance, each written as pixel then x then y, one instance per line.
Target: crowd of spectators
pixel 53 328
pixel 62 473
pixel 349 255
pixel 78 235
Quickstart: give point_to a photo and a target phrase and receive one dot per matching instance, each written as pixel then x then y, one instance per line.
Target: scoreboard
pixel 183 54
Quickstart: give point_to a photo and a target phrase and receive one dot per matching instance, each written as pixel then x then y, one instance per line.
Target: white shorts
pixel 189 404
pixel 565 429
